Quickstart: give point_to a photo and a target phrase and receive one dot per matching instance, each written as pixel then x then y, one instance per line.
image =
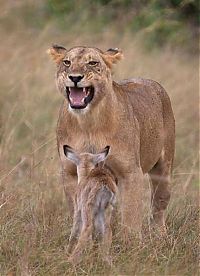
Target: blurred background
pixel 160 41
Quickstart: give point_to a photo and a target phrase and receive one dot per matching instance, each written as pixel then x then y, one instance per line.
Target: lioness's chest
pixel 89 142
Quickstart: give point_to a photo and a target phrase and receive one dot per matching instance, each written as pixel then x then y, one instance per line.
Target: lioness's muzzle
pixel 79 97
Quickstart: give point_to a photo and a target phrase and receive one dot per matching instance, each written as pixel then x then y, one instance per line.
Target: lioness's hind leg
pixel 160 176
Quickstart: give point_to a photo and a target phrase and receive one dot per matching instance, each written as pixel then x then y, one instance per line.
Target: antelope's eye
pixel 93 63
pixel 67 62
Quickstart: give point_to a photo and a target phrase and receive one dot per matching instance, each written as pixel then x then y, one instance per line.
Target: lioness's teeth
pixel 88 92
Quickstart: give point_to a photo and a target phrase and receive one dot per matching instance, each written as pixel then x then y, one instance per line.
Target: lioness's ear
pixel 101 157
pixel 71 155
pixel 57 53
pixel 111 56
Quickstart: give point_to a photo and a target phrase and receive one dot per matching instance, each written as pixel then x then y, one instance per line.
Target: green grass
pixel 158 23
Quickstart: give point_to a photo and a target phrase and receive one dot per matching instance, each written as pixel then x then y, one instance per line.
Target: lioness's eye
pixel 67 62
pixel 93 63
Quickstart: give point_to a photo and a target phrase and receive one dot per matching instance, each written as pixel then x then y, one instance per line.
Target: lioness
pixel 133 116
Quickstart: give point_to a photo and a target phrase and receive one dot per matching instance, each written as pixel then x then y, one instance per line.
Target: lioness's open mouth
pixel 79 97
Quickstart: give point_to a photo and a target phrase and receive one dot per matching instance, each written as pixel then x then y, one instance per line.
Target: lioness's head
pixel 83 74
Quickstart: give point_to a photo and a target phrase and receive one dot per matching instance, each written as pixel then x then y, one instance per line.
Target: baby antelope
pixel 94 201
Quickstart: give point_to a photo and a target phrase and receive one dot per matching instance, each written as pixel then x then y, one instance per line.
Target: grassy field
pixel 34 220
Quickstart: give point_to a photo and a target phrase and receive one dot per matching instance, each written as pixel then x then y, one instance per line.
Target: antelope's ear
pixel 112 56
pixel 71 155
pixel 57 53
pixel 101 157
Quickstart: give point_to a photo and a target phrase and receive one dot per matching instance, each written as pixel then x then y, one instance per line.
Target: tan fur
pixel 57 57
pixel 94 200
pixel 112 56
pixel 134 117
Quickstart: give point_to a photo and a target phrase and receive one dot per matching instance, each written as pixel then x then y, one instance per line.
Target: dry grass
pixel 33 214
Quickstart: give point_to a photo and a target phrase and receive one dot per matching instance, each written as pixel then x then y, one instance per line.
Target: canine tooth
pixel 88 91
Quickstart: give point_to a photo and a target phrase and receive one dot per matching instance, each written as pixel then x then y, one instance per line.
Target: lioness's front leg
pixel 131 187
pixel 70 185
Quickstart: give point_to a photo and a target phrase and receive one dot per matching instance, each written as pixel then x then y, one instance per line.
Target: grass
pixel 34 221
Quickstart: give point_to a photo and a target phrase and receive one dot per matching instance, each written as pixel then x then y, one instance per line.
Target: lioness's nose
pixel 75 78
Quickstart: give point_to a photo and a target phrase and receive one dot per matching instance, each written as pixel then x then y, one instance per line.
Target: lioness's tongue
pixel 77 96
